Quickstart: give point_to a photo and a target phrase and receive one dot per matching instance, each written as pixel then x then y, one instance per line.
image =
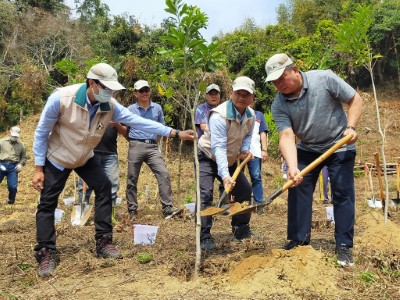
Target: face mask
pixel 103 95
pixel 13 139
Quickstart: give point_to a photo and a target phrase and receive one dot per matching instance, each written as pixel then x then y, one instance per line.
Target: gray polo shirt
pixel 317 117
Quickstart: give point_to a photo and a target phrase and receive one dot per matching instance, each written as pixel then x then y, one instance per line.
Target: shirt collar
pixel 233 113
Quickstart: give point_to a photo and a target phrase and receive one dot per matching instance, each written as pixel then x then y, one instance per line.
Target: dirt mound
pixel 284 272
pixel 378 234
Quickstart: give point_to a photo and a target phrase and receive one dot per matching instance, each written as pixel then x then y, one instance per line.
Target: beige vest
pixel 236 131
pixel 71 142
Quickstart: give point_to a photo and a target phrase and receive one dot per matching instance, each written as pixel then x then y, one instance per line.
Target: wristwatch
pixel 177 133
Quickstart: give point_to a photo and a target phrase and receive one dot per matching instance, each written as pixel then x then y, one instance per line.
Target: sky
pixel 223 15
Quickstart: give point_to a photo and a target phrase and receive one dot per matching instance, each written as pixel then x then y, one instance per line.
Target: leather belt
pixel 144 141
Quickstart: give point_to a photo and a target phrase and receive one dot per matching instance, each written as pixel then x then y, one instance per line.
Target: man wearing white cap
pixel 12 159
pixel 213 99
pixel 229 136
pixel 72 123
pixel 309 106
pixel 143 149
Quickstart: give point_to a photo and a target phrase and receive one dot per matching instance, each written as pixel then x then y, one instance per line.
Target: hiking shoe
pixel 47 260
pixel 170 211
pixel 241 233
pixel 105 248
pixel 207 244
pixel 260 211
pixel 293 244
pixel 344 256
pixel 133 215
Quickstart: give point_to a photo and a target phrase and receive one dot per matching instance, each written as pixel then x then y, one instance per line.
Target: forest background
pixel 43 45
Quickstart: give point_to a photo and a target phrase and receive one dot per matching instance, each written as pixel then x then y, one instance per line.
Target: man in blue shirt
pixel 213 99
pixel 258 147
pixel 143 149
pixel 72 123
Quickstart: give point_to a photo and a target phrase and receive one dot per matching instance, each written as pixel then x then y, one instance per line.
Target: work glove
pixel 18 168
pixel 3 168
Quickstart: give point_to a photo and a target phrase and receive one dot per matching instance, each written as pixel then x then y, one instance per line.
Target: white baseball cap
pixel 15 131
pixel 275 66
pixel 211 87
pixel 141 84
pixel 106 75
pixel 243 83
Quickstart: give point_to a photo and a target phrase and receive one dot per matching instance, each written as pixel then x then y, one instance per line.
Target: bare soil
pixel 255 269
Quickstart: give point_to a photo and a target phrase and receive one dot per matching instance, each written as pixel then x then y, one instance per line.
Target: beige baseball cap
pixel 106 75
pixel 275 66
pixel 243 83
pixel 141 84
pixel 211 87
pixel 15 131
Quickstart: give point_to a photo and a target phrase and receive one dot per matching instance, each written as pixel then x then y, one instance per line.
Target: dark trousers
pixel 54 181
pixel 300 199
pixel 241 192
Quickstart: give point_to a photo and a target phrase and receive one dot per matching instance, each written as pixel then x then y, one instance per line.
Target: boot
pixel 47 260
pixel 105 248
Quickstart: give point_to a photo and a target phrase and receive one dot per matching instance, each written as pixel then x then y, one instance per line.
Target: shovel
pixel 373 202
pixel 81 211
pixel 210 211
pixel 396 201
pixel 243 209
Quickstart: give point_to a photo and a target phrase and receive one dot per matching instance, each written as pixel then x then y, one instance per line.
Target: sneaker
pixel 260 211
pixel 207 244
pixel 344 256
pixel 241 233
pixel 133 215
pixel 105 248
pixel 170 211
pixel 293 244
pixel 47 260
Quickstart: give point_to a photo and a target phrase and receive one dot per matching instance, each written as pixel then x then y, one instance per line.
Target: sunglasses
pixel 144 90
pixel 103 87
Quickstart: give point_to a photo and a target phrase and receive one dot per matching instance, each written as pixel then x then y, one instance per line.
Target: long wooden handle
pixel 398 177
pixel 310 167
pixel 379 173
pixel 229 187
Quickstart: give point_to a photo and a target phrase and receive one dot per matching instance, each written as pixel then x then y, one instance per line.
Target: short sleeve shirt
pixel 152 112
pixel 317 117
pixel 200 117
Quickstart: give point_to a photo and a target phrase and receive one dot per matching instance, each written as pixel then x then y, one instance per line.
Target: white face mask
pixel 103 96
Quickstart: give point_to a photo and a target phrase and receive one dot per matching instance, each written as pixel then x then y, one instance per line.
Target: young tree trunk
pixel 383 137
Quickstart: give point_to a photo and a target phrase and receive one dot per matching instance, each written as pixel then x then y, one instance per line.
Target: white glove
pixel 18 168
pixel 3 168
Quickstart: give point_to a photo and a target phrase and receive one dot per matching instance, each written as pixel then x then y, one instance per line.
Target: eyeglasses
pixel 103 87
pixel 144 90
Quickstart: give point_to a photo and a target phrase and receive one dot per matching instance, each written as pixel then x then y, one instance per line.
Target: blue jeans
pixel 254 166
pixel 12 179
pixel 340 166
pixel 111 168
